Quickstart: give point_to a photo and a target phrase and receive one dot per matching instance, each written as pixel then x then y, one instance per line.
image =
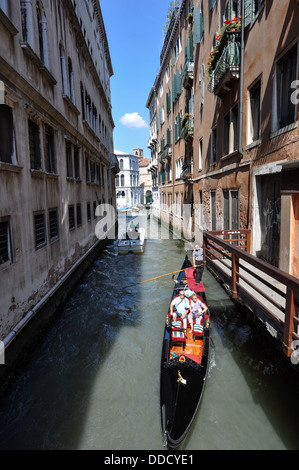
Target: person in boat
pixel 198 308
pixel 132 233
pixel 198 263
pixel 180 307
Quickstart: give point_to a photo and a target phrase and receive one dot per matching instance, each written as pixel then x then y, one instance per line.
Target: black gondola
pixel 184 367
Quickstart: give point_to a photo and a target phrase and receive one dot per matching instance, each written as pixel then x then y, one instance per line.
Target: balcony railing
pixel 187 171
pixel 187 74
pixel 226 64
pixel 188 128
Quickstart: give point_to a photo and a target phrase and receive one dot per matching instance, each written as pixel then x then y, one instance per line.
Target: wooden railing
pixel 272 294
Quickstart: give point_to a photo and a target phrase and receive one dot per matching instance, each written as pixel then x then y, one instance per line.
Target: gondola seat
pixel 176 325
pixel 197 330
pixel 178 337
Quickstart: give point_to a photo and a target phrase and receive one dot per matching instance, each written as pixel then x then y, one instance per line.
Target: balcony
pixel 187 127
pixel 225 64
pixel 187 171
pixel 162 155
pixel 188 74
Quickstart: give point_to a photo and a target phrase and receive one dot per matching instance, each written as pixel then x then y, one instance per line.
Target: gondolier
pixel 198 263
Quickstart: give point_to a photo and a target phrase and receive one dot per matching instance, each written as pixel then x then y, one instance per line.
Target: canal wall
pixel 25 336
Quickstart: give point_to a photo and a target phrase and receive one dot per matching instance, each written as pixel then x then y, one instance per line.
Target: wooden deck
pixel 192 347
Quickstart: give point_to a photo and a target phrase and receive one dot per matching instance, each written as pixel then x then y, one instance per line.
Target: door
pixel 270 204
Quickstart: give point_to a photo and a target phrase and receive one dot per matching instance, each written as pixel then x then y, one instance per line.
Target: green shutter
pixel 169 136
pixel 179 125
pixel 202 85
pixel 249 12
pixel 173 90
pixel 190 47
pixel 196 23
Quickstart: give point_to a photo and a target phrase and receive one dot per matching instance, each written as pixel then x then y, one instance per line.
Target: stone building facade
pixel 128 191
pixel 56 148
pixel 225 103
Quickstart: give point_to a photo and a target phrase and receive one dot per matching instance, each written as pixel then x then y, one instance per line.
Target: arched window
pixel 121 164
pixel 122 180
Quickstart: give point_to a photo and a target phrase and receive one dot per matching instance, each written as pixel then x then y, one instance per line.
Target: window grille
pixel 40 230
pixel 71 217
pixel 4 243
pixel 79 215
pixel 34 145
pixel 53 224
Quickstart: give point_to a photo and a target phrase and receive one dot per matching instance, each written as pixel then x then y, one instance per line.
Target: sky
pixel 134 31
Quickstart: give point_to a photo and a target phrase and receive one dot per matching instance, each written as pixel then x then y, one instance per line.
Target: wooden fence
pixel 271 294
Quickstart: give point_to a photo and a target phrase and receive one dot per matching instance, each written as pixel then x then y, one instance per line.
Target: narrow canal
pixel 94 381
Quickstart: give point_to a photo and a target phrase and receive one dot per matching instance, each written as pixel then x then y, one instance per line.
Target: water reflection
pixel 94 381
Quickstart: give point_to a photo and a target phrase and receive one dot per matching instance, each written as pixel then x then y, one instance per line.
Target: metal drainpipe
pixel 241 79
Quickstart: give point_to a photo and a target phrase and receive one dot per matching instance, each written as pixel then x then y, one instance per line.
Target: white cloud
pixel 133 120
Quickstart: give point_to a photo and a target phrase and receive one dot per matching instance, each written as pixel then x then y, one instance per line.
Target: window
pixel 49 150
pixel 286 70
pixel 213 210
pixel 71 217
pixel 213 146
pixel 121 164
pixel 200 156
pixel 34 145
pixel 53 224
pixel 230 131
pixel 254 120
pixel 5 245
pixel 27 19
pixel 69 160
pixel 200 218
pixel 6 134
pixel 87 170
pixel 230 209
pixel 88 212
pixel 83 105
pixel 63 72
pixel 71 81
pixel 76 163
pixel 122 180
pixel 41 32
pixel 252 7
pixel 40 230
pixel 79 215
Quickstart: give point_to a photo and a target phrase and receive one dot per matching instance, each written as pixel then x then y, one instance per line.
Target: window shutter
pixel 190 46
pixel 196 23
pixel 202 85
pixel 249 12
pixel 179 125
pixel 173 90
pixel 211 4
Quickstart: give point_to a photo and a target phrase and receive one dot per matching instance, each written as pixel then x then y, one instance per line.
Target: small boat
pixel 184 366
pixel 132 241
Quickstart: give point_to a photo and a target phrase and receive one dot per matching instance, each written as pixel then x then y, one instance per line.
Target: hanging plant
pixel 229 25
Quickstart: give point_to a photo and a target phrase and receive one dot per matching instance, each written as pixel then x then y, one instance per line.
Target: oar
pixel 158 277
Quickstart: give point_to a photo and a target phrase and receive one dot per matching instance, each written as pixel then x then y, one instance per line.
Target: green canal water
pixel 93 383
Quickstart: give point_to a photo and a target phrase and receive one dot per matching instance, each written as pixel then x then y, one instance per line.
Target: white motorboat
pixel 132 241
